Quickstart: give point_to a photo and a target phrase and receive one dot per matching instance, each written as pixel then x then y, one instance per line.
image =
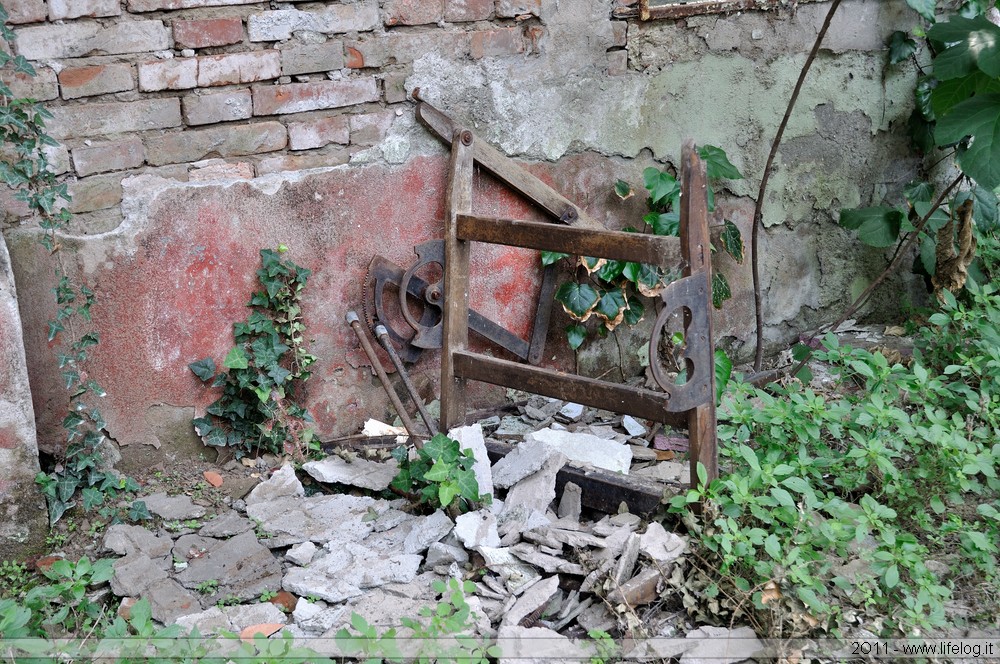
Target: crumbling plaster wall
pixel 220 107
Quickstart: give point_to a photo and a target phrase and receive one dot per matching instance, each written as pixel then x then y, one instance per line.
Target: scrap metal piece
pixel 382 273
pixel 383 336
pixel 432 294
pixel 355 323
pixel 688 295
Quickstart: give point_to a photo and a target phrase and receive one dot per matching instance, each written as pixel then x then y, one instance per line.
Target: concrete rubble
pixel 546 570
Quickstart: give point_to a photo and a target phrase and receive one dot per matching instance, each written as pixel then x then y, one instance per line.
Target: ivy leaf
pixel 577 299
pixel 925 8
pixel 635 311
pixel 732 241
pixel 55 327
pixel 279 374
pixel 610 271
pixel 467 485
pixel 92 498
pixel 623 190
pixel 576 334
pixel 447 492
pixel 948 94
pixel 662 186
pixel 66 486
pixel 611 308
pixel 439 472
pixel 56 509
pixel 550 257
pixel 979 118
pixel 717 164
pixel 203 369
pixel 236 359
pixel 970 44
pixel 876 226
pixel 919 192
pixel 720 290
pixel 668 223
pixel 901 47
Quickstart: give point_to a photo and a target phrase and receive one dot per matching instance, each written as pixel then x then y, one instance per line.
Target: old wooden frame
pixel 459 364
pixel 676 9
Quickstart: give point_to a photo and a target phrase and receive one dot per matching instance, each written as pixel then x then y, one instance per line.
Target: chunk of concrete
pixel 719 645
pixel 571 502
pixel 282 484
pixel 532 494
pixel 515 574
pixel 427 530
pixel 320 519
pixel 227 524
pixel 666 471
pixel 346 570
pixel 168 601
pixel 533 599
pixel 242 567
pixel 642 589
pixel 173 508
pixel 633 427
pixel 528 645
pixel 301 554
pixel 242 616
pixel 547 563
pixel 125 539
pixel 359 472
pixel 442 555
pixel 585 448
pixel 525 459
pixel 471 438
pixel 134 573
pixel 571 412
pixel 476 529
pixel 660 546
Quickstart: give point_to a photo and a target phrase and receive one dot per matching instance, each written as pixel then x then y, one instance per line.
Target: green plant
pixel 268 595
pixel 607 649
pixel 15 579
pixel 896 468
pixel 613 291
pixel 257 409
pixel 441 473
pixel 64 602
pixel 207 587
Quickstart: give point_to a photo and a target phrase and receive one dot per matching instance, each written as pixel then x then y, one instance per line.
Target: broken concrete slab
pixel 532 494
pixel 583 448
pixel 190 546
pixel 571 502
pixel 242 616
pixel 282 484
pixel 227 524
pixel 571 412
pixel 358 472
pixel 671 472
pixel 528 645
pixel 210 622
pixel 427 530
pixel 135 573
pixel 626 562
pixel 471 438
pixel 634 427
pixel 316 618
pixel 319 519
pixel 347 569
pixel 525 459
pixel 531 601
pixel 547 563
pixel 476 529
pixel 173 508
pixel 442 555
pixel 515 574
pixel 242 567
pixel 643 588
pixel 512 427
pixel 168 601
pixel 124 539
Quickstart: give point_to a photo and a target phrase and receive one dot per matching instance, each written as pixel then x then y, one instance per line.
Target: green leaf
pixel 611 305
pixel 236 359
pixel 717 164
pixel 55 327
pixel 979 118
pixel 750 457
pixel 892 576
pixel 662 186
pixel 467 485
pixel 772 546
pixel 635 311
pixel 576 334
pixel 550 257
pixel 971 43
pixel 91 498
pixel 937 505
pixel 203 369
pixel 783 497
pixel 919 192
pixel 948 94
pixel 447 492
pixel 901 47
pixel 921 132
pixel 986 209
pixel 439 472
pixel 577 299
pixel 925 8
pixel 623 190
pixel 610 271
pixel 732 241
pixel 723 372
pixel 668 223
pixel 720 290
pixel 876 226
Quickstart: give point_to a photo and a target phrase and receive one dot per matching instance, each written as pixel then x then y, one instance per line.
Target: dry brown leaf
pixel 770 593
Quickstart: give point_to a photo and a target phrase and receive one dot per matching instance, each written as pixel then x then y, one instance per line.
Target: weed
pixel 440 474
pixel 207 587
pixel 268 595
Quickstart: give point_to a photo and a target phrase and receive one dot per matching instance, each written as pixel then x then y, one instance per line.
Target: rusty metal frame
pixel 691 405
pixel 677 10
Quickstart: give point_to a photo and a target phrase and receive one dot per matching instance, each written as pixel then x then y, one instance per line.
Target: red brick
pixel 171 74
pixel 303 161
pixel 619 33
pixel 225 141
pixel 61 9
pixel 370 128
pixel 208 32
pixel 114 118
pixel 300 97
pixel 413 12
pixel 238 68
pixel 40 87
pixel 496 43
pixel 459 11
pixel 317 133
pixel 97 80
pixel 104 157
pixel 221 170
pixel 404 48
pixel 221 107
pixel 25 11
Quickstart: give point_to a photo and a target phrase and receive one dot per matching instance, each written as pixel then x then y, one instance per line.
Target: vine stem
pixel 758 212
pixel 889 269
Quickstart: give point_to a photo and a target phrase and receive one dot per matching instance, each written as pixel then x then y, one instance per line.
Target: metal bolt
pixel 569 214
pixel 466 137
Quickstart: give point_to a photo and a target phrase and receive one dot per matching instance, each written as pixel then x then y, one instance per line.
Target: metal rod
pixel 383 336
pixel 355 322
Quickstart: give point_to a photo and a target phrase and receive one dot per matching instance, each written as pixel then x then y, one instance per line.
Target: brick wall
pixel 197 89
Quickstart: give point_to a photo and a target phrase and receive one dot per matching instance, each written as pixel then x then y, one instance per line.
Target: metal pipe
pixel 383 336
pixel 355 322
